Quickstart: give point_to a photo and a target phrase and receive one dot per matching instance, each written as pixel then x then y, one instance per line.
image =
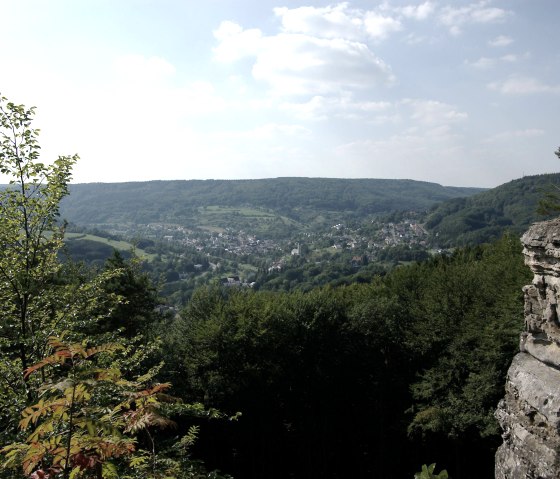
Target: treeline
pixel 367 380
pixel 302 199
pixel 486 216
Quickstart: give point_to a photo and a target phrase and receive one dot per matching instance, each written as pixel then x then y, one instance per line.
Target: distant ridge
pixel 295 198
pixel 486 216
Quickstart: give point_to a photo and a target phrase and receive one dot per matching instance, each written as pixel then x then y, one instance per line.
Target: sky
pixel 457 92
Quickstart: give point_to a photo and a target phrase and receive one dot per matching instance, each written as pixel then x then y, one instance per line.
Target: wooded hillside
pixel 485 216
pixel 299 199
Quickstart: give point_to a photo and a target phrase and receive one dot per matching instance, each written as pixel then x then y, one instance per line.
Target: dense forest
pixel 485 216
pixel 298 199
pixel 369 378
pixel 338 382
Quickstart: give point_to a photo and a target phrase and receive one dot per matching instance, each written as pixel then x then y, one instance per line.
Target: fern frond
pixel 104 348
pixel 58 357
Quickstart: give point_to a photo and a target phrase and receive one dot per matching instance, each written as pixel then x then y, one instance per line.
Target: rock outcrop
pixel 530 412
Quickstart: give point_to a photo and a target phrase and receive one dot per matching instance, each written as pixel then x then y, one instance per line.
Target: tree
pixel 30 238
pixel 74 408
pixel 71 432
pixel 29 235
pixel 464 332
pixel 136 313
pixel 550 204
pixel 86 423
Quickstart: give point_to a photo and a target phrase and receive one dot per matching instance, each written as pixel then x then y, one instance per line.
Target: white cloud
pixel 269 150
pixel 380 26
pixel 487 15
pixel 513 134
pixel 317 108
pixel 482 63
pixel 134 123
pixel 336 21
pixel 148 85
pixel 300 64
pixel 235 43
pixel 323 50
pixel 510 58
pixel 415 39
pixel 455 18
pixel 501 41
pixel 432 112
pixel 517 85
pixel 308 66
pixel 318 51
pixel 323 108
pixel 341 21
pixel 417 12
pixel 197 99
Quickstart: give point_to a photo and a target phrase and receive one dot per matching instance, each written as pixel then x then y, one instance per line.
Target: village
pixel 361 243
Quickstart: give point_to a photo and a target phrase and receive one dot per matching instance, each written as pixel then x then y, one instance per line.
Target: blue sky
pixel 463 93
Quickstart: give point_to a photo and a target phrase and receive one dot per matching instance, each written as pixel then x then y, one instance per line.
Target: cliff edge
pixel 529 414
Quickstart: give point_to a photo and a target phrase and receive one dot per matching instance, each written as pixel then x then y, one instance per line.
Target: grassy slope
pixel 113 244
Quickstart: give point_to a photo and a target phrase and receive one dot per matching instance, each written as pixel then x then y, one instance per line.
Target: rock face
pixel 530 412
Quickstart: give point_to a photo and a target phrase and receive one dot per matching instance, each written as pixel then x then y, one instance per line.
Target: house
pixel 276 267
pixel 231 281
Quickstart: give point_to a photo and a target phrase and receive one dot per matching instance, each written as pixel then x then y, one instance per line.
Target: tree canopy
pixel 67 409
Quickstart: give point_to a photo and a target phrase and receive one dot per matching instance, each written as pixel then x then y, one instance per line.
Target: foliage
pixel 29 235
pixel 82 414
pixel 274 208
pixel 89 419
pixel 486 216
pixel 29 270
pixel 340 380
pixel 90 251
pixel 550 203
pixel 137 314
pixel 73 434
pixel 427 472
pixel 470 322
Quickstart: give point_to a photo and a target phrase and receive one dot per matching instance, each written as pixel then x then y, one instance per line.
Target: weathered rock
pixel 541 347
pixel 529 414
pixel 542 248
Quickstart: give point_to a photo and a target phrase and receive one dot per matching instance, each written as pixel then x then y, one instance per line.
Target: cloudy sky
pixel 463 93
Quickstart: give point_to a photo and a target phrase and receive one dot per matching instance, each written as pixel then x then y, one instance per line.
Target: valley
pixel 198 233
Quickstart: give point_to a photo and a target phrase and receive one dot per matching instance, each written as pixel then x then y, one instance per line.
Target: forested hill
pixel 485 216
pixel 296 198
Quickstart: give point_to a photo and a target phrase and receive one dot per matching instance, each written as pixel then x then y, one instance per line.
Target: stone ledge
pixel 537 385
pixel 541 347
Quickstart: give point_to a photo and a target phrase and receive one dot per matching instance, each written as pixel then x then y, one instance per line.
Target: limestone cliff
pixel 530 412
